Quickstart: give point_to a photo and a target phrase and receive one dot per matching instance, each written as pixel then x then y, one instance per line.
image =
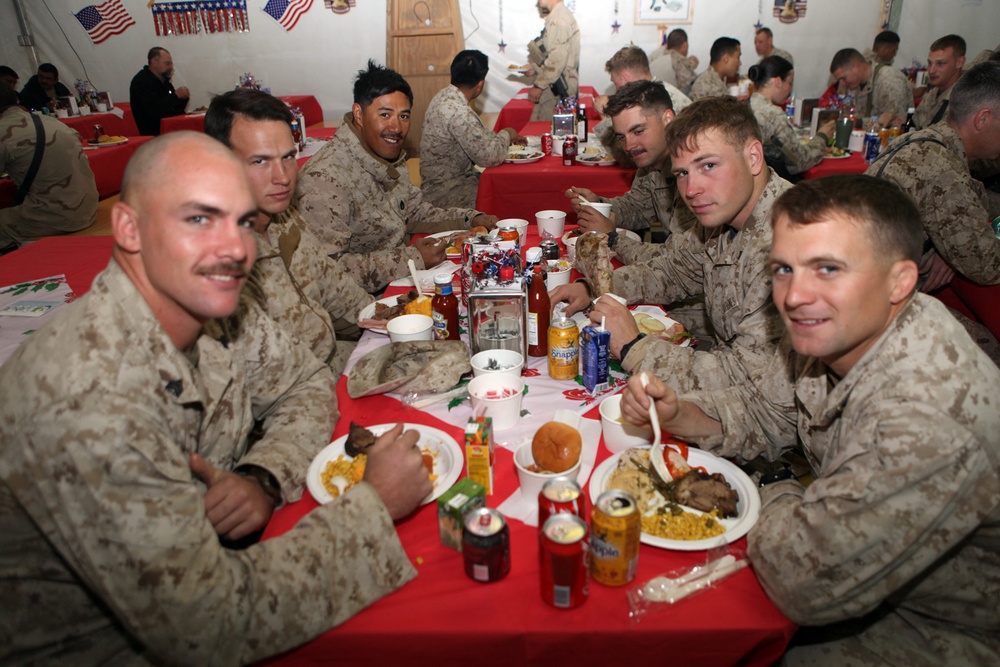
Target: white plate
pixel 444 235
pixel 102 144
pixel 837 157
pixel 621 232
pixel 519 70
pixel 748 506
pixel 368 312
pixel 667 322
pixel 598 160
pixel 448 463
pixel 525 158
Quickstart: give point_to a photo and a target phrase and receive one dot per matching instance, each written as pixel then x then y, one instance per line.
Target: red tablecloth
pixel 79 258
pixel 311 109
pixel 187 121
pixel 855 164
pixel 517 112
pixel 521 190
pixel 108 164
pixel 113 125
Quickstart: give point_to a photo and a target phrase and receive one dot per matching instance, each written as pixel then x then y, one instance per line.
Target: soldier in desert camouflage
pixel 725 63
pixel 671 62
pixel 127 459
pixel 891 556
pixel 356 196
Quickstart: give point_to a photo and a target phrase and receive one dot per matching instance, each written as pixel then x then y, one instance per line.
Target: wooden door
pixel 424 36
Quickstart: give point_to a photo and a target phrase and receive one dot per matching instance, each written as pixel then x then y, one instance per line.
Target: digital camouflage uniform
pixel 107 553
pixel 955 208
pixel 307 292
pixel 708 84
pixel 605 130
pixel 673 67
pixel 454 142
pixel 363 209
pixel 874 58
pixel 886 91
pixel 63 197
pixel 930 104
pixel 774 125
pixel 775 51
pixel 554 54
pixel 731 270
pixel 895 547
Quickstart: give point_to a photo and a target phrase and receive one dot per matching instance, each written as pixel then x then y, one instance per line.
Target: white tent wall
pixel 321 55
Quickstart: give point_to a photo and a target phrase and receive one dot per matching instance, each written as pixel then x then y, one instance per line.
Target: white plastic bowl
pixel 510 362
pixel 505 412
pixel 410 327
pixel 619 436
pixel 532 482
pixel 551 223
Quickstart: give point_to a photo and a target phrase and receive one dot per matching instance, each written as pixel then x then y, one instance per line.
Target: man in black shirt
pixel 43 87
pixel 151 94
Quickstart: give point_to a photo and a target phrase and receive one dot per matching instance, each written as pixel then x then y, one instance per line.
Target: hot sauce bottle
pixel 538 315
pixel 444 307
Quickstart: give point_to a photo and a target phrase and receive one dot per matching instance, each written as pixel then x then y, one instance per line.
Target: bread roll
pixel 556 447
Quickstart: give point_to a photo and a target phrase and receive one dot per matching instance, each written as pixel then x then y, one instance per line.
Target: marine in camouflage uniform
pixel 731 270
pixel 955 208
pixel 363 209
pixel 895 547
pixel 108 555
pixel 454 142
pixel 605 130
pixel 308 292
pixel 774 125
pixel 555 56
pixel 931 105
pixel 673 67
pixel 708 84
pixel 63 197
pixel 886 91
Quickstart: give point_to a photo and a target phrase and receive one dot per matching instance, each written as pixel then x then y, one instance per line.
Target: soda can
pixel 560 495
pixel 564 349
pixel 595 355
pixel 547 143
pixel 98 132
pixel 569 150
pixel 615 526
pixel 485 545
pixel 564 561
pixel 550 249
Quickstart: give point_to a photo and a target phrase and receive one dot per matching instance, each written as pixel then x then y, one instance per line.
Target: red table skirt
pixel 194 122
pixel 113 125
pixel 855 164
pixel 521 190
pixel 517 112
pixel 311 109
pixel 79 258
pixel 108 164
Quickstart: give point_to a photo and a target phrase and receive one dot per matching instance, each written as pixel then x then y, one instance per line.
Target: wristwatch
pixel 627 347
pixel 268 484
pixel 776 476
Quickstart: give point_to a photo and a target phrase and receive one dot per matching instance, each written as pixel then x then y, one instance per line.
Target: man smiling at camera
pixel 356 196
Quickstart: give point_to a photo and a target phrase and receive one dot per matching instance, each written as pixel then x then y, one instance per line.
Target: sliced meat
pixel 705 492
pixel 358 440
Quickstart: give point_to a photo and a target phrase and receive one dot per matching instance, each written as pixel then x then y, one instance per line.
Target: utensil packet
pixel 665 590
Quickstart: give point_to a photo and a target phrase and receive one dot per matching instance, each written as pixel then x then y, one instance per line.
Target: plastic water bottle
pixel 790 109
pixel 872 141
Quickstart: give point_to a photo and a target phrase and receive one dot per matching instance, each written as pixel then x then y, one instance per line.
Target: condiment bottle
pixel 582 123
pixel 444 309
pixel 538 315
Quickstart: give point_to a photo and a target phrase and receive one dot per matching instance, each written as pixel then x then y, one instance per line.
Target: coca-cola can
pixel 569 150
pixel 560 494
pixel 564 561
pixel 547 143
pixel 98 131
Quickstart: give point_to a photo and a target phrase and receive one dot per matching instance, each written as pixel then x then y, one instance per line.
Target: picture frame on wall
pixel 663 11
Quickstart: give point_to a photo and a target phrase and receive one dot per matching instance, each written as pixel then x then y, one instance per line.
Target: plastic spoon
pixel 656 451
pixel 413 274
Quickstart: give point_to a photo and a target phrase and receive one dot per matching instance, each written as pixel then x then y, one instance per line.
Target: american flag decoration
pixel 104 20
pixel 287 12
pixel 191 18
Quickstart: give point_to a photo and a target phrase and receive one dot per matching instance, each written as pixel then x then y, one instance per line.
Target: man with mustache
pixel 305 289
pixel 891 555
pixel 355 194
pixel 162 416
pixel 718 251
pixel 151 94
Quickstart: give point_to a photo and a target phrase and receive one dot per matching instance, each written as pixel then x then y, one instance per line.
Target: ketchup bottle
pixel 444 307
pixel 538 315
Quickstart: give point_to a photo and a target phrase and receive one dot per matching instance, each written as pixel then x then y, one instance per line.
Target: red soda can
pixel 560 494
pixel 547 143
pixel 564 561
pixel 98 131
pixel 569 150
pixel 485 545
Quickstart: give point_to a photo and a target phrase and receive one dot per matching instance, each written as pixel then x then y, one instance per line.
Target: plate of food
pixel 519 69
pixel 341 464
pixel 655 324
pixel 523 155
pixel 454 239
pixel 108 140
pixel 595 157
pixel 834 153
pixel 692 512
pixel 375 315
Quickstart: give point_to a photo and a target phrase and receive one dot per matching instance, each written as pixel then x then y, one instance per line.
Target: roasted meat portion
pixel 386 313
pixel 358 440
pixel 705 492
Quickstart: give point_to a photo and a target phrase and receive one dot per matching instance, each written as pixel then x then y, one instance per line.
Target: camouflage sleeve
pixel 798 156
pixel 557 45
pixel 706 85
pixel 629 251
pixel 891 95
pixel 635 209
pixel 293 393
pixel 132 526
pixel 426 218
pixel 685 73
pixel 484 147
pixel 884 509
pixel 672 275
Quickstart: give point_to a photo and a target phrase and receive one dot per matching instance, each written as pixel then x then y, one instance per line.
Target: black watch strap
pixel 627 347
pixel 267 481
pixel 776 476
pixel 612 238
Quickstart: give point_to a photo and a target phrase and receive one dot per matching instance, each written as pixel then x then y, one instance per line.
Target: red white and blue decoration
pixel 287 12
pixel 104 20
pixel 191 18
